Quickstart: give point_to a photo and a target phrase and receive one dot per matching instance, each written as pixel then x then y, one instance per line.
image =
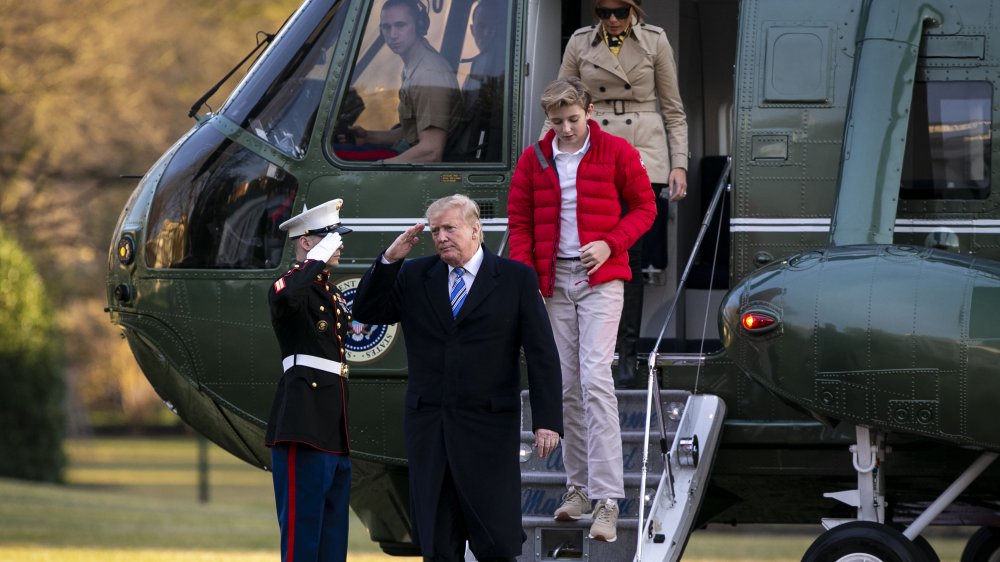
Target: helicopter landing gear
pixel 863 541
pixel 983 546
pixel 868 538
pixel 867 456
pixel 868 498
pixel 925 548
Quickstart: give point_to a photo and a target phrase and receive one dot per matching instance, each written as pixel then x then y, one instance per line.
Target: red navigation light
pixel 757 321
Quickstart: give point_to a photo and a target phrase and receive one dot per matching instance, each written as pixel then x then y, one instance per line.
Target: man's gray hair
pixel 469 208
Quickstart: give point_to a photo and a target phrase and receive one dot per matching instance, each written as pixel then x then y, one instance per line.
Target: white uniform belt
pixel 314 362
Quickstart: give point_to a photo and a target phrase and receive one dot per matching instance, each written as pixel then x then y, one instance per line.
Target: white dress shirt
pixel 567 164
pixel 471 268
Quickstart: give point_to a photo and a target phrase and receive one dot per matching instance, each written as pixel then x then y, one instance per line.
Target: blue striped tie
pixel 458 292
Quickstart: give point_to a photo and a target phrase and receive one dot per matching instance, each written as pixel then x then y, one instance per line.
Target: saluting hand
pixel 546 441
pixel 326 248
pixel 404 243
pixel 594 254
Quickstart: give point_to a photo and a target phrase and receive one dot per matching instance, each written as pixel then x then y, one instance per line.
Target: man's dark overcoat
pixel 462 407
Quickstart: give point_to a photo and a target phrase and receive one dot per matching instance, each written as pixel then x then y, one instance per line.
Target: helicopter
pixel 833 283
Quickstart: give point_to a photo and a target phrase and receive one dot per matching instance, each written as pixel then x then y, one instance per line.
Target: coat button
pixel 322 308
pixel 595 66
pixel 628 121
pixel 605 122
pixel 314 385
pixel 603 89
pixel 338 325
pixel 628 86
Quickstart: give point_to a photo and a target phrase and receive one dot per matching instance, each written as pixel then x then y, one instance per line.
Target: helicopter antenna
pixel 267 37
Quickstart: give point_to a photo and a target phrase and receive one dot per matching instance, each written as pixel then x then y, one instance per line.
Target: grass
pixel 136 500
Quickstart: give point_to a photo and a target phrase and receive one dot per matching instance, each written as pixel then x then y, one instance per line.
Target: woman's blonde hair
pixel 565 91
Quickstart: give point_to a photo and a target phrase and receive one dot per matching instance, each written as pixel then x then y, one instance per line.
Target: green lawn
pixel 136 500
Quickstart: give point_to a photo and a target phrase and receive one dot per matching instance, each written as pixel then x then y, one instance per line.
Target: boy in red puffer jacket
pixel 578 200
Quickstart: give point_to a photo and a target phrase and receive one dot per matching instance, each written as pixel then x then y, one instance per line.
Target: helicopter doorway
pixel 704 36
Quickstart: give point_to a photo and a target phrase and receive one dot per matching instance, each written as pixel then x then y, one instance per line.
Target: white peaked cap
pixel 319 220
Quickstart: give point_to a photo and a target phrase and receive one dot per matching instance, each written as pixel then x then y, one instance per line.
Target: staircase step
pixel 569 542
pixel 543 481
pixel 582 523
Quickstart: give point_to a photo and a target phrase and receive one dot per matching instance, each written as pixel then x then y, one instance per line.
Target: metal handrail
pixel 652 387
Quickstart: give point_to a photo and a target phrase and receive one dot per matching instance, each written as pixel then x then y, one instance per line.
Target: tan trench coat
pixel 626 90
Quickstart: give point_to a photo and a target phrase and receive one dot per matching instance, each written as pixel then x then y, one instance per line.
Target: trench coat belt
pixel 628 106
pixel 327 365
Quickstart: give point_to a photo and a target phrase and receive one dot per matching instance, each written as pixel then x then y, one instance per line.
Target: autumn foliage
pixel 92 90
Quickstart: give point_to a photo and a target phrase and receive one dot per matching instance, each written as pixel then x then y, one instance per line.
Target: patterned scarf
pixel 615 42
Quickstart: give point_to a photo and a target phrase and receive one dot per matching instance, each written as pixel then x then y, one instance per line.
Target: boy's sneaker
pixel 575 505
pixel 605 523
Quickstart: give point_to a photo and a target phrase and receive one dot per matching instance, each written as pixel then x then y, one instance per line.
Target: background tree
pixel 91 90
pixel 31 403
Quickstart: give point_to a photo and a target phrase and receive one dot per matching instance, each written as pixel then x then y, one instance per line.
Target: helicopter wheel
pixel 983 546
pixel 925 548
pixel 929 554
pixel 864 541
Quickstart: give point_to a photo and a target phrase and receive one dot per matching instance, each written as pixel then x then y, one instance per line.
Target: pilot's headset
pixel 421 20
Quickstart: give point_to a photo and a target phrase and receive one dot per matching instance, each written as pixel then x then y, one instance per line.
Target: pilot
pixel 307 428
pixel 482 91
pixel 430 103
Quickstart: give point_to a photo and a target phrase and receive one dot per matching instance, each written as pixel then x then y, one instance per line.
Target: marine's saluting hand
pixel 404 243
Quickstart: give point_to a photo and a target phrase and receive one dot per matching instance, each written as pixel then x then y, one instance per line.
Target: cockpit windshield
pixel 279 98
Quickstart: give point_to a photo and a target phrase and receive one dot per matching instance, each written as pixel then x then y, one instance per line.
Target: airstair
pixel 693 424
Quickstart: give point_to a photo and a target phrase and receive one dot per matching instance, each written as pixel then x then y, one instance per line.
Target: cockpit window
pixel 218 206
pixel 279 99
pixel 427 84
pixel 949 141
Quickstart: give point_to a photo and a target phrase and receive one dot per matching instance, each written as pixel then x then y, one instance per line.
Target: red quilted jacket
pixel 611 179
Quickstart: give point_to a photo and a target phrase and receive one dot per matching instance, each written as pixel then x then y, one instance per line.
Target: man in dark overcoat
pixel 466 315
pixel 307 427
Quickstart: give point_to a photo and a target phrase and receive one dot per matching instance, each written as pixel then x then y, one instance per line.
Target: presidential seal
pixel 365 342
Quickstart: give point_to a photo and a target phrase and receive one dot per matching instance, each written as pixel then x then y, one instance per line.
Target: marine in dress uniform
pixel 307 430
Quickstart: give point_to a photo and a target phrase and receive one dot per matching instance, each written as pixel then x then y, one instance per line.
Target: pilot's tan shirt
pixel 429 95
